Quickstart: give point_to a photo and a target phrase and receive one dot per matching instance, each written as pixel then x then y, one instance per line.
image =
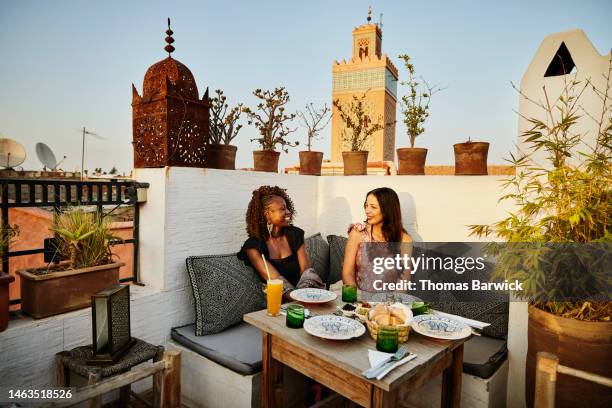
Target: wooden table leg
pixel 451 380
pixel 157 379
pixel 383 399
pixel 271 376
pixel 61 376
pixel 94 378
pixel 124 395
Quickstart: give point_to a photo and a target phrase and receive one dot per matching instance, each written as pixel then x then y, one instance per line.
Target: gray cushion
pixel 336 257
pixel 224 289
pixel 318 252
pixel 483 355
pixel 237 348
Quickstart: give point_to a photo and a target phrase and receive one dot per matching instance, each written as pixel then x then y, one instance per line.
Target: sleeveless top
pixel 364 275
pixel 288 267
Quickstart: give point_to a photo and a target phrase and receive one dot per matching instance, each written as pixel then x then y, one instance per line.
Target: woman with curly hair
pixel 383 224
pixel 270 232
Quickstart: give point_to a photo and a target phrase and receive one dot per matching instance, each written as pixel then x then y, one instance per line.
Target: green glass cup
pixel 295 316
pixel 349 293
pixel 387 339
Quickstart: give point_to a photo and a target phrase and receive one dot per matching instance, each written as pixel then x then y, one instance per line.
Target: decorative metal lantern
pixel 110 309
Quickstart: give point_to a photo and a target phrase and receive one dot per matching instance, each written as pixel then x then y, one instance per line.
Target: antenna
pixel 12 153
pixel 86 132
pixel 380 22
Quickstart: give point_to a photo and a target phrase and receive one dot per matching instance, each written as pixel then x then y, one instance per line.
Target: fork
pixel 374 371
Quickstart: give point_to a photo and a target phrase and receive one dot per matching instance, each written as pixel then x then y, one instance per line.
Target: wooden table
pixel 338 364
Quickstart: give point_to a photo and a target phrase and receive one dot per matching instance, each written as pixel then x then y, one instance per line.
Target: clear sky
pixel 67 63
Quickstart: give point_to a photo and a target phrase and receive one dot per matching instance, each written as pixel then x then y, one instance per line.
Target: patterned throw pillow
pixel 224 289
pixel 318 253
pixel 336 257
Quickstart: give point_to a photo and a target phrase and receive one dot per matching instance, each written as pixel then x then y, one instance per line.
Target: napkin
pixel 376 357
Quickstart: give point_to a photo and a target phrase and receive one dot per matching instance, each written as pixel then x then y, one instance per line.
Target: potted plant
pixel 83 242
pixel 565 198
pixel 471 158
pixel 358 128
pixel 314 120
pixel 220 153
pixel 415 109
pixel 271 122
pixel 7 234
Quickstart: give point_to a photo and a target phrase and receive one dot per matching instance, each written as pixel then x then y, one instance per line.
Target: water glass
pixel 387 339
pixel 295 316
pixel 349 293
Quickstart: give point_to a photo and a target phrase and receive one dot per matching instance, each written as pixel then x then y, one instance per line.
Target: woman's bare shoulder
pixel 406 237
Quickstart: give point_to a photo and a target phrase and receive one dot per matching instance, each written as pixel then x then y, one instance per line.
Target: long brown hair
pixel 255 218
pixel 389 203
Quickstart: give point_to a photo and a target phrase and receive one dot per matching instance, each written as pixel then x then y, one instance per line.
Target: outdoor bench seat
pixel 483 355
pixel 237 348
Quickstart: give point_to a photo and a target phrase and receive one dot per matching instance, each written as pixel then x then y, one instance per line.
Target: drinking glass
pixel 295 316
pixel 349 293
pixel 386 339
pixel 274 296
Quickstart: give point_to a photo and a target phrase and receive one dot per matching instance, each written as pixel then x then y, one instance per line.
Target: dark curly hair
pixel 261 199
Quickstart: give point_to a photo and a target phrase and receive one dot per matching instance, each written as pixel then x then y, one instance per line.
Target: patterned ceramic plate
pixel 313 295
pixel 440 327
pixel 334 327
pixel 404 298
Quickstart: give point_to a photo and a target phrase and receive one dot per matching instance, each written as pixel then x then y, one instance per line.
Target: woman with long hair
pixel 383 225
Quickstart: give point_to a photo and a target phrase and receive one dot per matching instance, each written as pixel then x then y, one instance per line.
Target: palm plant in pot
pixel 415 108
pixel 314 120
pixel 567 200
pixel 359 127
pixel 8 233
pixel 271 121
pixel 220 153
pixel 83 244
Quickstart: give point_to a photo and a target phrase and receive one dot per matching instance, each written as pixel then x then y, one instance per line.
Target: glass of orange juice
pixel 274 294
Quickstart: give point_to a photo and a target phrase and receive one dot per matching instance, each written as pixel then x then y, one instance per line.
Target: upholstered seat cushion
pixel 318 253
pixel 237 348
pixel 336 257
pixel 224 289
pixel 482 356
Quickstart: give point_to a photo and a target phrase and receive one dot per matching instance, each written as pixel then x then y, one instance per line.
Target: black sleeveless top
pixel 288 267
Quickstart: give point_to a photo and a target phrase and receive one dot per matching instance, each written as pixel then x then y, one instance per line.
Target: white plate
pixel 313 295
pixel 404 298
pixel 440 327
pixel 333 327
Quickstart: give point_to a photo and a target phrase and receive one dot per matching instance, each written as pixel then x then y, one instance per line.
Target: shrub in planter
pixel 220 153
pixel 314 120
pixel 359 126
pixel 83 242
pixel 415 109
pixel 565 199
pixel 271 121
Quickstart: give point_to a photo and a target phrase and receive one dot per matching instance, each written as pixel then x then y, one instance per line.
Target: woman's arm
pixel 258 264
pixel 405 249
pixel 303 259
pixel 350 253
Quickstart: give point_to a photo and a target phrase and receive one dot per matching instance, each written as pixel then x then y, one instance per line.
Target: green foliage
pixel 567 199
pixel 84 237
pixel 271 119
pixel 223 124
pixel 358 123
pixel 7 235
pixel 415 105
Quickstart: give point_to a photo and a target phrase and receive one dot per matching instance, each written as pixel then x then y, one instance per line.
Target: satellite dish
pixel 46 156
pixel 12 153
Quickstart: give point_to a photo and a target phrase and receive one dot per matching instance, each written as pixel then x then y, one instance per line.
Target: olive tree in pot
pixel 8 232
pixel 271 120
pixel 567 200
pixel 358 128
pixel 220 153
pixel 415 108
pixel 83 241
pixel 314 120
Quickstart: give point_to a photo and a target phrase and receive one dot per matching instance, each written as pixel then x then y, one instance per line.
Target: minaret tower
pixel 369 71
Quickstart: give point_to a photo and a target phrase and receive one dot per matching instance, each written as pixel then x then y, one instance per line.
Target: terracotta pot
pixel 266 160
pixel 582 345
pixel 59 292
pixel 5 280
pixel 471 158
pixel 355 163
pixel 220 156
pixel 310 163
pixel 411 161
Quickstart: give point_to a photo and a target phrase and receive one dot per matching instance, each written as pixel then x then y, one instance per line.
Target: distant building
pixel 367 71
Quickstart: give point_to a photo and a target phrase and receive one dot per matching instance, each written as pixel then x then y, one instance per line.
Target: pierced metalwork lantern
pixel 110 309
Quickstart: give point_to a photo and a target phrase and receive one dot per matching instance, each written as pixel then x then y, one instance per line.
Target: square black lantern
pixel 110 309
